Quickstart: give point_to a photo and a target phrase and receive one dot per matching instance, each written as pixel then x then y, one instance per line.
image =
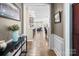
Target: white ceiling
pixel 40 11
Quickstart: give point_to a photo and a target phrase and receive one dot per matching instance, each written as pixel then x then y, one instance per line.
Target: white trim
pixel 57 52
pixel 56 43
pixel 67 28
pixel 50 40
pixel 60 39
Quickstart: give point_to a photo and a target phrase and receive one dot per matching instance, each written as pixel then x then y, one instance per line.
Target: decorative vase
pixel 15 36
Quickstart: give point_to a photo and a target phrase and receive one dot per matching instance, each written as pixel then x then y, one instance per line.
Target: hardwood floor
pixel 43 53
pixel 39 46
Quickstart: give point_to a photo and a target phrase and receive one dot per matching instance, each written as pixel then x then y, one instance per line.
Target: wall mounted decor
pixel 10 10
pixel 57 17
pixel 31 21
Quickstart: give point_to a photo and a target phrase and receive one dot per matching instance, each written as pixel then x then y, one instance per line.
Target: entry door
pixel 75 37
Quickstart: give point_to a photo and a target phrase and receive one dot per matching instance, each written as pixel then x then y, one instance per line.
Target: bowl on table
pixel 3 45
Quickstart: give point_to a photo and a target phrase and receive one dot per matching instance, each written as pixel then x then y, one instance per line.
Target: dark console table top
pixel 11 46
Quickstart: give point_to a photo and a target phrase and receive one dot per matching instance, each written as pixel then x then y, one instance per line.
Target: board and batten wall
pixel 56 40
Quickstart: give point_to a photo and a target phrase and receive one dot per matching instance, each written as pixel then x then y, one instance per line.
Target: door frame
pixel 68 28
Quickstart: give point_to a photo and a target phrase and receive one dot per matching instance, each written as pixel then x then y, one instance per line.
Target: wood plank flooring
pixel 39 46
pixel 44 53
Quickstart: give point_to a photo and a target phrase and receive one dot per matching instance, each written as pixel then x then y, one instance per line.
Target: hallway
pixel 26 19
pixel 39 46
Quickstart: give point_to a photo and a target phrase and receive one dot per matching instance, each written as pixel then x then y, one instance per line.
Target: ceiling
pixel 39 10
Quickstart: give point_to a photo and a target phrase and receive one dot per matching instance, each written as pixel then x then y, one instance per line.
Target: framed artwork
pixel 57 17
pixel 31 21
pixel 10 10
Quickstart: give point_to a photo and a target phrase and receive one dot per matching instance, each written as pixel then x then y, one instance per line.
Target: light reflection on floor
pixel 39 45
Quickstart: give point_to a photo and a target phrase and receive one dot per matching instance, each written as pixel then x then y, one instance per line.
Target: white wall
pixel 27 30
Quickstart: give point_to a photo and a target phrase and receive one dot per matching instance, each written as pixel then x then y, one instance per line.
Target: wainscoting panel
pixel 56 43
pixel 51 42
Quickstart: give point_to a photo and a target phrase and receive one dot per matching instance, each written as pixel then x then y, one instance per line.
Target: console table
pixel 15 48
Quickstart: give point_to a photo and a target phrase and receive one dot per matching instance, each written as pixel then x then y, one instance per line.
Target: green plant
pixel 14 27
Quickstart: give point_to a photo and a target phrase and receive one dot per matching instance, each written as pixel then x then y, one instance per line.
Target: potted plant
pixel 14 29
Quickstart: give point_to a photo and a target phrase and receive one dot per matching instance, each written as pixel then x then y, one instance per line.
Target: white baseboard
pixel 57 52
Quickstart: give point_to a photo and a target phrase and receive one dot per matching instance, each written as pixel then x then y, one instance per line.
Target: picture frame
pixel 57 17
pixel 31 21
pixel 10 11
